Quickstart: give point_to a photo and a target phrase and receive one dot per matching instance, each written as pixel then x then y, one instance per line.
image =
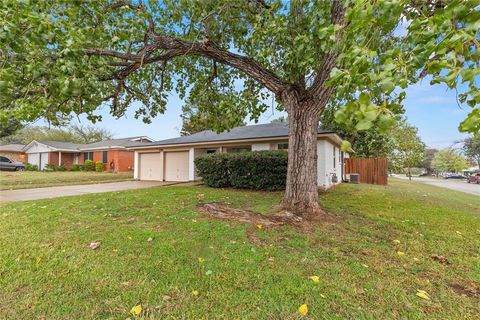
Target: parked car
pixel 7 164
pixel 455 176
pixel 474 178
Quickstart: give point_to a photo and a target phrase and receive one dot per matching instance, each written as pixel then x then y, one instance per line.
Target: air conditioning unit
pixel 354 178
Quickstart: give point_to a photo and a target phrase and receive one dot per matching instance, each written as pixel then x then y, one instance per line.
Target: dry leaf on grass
pixel 422 294
pixel 94 245
pixel 136 310
pixel 303 309
pixel 315 279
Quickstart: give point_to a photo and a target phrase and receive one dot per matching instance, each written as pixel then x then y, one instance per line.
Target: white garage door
pixel 150 166
pixel 43 160
pixel 33 158
pixel 176 166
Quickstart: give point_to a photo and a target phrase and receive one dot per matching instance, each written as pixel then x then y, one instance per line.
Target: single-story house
pixel 113 153
pixel 13 151
pixel 173 159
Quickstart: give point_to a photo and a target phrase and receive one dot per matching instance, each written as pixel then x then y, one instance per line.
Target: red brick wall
pixel 67 159
pixel 117 160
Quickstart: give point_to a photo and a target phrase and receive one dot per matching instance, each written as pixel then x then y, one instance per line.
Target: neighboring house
pixel 13 151
pixel 173 159
pixel 113 153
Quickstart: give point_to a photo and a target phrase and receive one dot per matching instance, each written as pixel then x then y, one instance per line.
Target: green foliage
pixel 31 167
pixel 69 57
pixel 8 126
pixel 72 133
pixel 448 160
pixel 408 151
pixel 471 147
pixel 99 166
pixel 200 117
pixel 373 142
pixel 76 167
pixel 258 170
pixel 427 162
pixel 88 165
pixel 54 167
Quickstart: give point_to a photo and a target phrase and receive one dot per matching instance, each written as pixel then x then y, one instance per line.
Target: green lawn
pixel 151 241
pixel 37 179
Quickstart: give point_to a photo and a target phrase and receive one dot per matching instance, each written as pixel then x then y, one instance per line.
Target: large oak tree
pixel 69 57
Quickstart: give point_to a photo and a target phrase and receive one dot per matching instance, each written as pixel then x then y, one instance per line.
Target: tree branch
pixel 329 60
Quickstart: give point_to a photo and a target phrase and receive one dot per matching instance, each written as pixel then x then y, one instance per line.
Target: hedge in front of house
pixel 258 170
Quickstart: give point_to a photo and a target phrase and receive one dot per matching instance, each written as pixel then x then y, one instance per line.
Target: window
pixel 211 151
pixel 105 157
pixel 4 159
pixel 334 157
pixel 282 146
pixel 87 156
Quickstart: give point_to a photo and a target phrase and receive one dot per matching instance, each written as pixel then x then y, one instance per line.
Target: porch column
pixel 135 165
pixel 59 158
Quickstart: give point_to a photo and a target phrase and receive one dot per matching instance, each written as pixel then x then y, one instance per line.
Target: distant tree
pixel 448 160
pixel 471 148
pixel 376 141
pixel 408 151
pixel 72 133
pixel 9 126
pixel 280 119
pixel 427 162
pixel 204 115
pixel 90 134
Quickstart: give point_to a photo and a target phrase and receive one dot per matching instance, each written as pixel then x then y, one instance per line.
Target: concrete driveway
pixel 458 185
pixel 62 191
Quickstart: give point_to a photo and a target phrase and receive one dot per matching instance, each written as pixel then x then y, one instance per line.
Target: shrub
pixel 31 167
pixel 88 165
pixel 75 167
pixel 99 166
pixel 53 167
pixel 259 170
pixel 213 168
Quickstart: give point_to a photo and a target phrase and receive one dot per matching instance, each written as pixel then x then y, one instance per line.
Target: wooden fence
pixel 371 170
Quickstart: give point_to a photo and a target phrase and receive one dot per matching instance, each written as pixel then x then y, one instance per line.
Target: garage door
pixel 33 158
pixel 150 166
pixel 176 166
pixel 43 160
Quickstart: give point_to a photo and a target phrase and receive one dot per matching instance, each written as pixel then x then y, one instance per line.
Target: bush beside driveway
pixel 38 179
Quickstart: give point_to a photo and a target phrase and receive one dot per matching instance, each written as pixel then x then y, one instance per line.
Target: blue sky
pixel 432 109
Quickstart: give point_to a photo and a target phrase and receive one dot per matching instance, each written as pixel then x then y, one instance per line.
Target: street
pixel 458 185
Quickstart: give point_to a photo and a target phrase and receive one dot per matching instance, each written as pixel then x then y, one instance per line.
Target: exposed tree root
pixel 219 211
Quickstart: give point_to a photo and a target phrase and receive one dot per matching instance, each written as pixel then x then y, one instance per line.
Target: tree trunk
pixel 301 194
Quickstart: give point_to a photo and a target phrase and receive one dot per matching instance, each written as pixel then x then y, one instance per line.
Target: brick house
pixel 113 153
pixel 13 151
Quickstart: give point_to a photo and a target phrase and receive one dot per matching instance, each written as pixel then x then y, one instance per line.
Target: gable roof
pixel 13 147
pixel 119 143
pixel 258 131
pixel 78 147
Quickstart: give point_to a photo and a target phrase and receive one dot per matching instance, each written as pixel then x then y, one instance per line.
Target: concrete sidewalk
pixel 62 191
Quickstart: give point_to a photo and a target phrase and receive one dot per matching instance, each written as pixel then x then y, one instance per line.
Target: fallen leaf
pixel 166 298
pixel 365 266
pixel 129 238
pixel 150 239
pixel 37 261
pixel 201 260
pixel 440 259
pixel 303 309
pixel 94 245
pixel 209 272
pixel 315 279
pixel 396 241
pixel 415 259
pixel 259 226
pixel 136 310
pixel 195 293
pixel 458 232
pixel 321 295
pixel 401 253
pixel 422 294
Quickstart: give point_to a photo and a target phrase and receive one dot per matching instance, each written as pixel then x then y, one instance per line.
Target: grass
pixel 37 179
pixel 47 271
